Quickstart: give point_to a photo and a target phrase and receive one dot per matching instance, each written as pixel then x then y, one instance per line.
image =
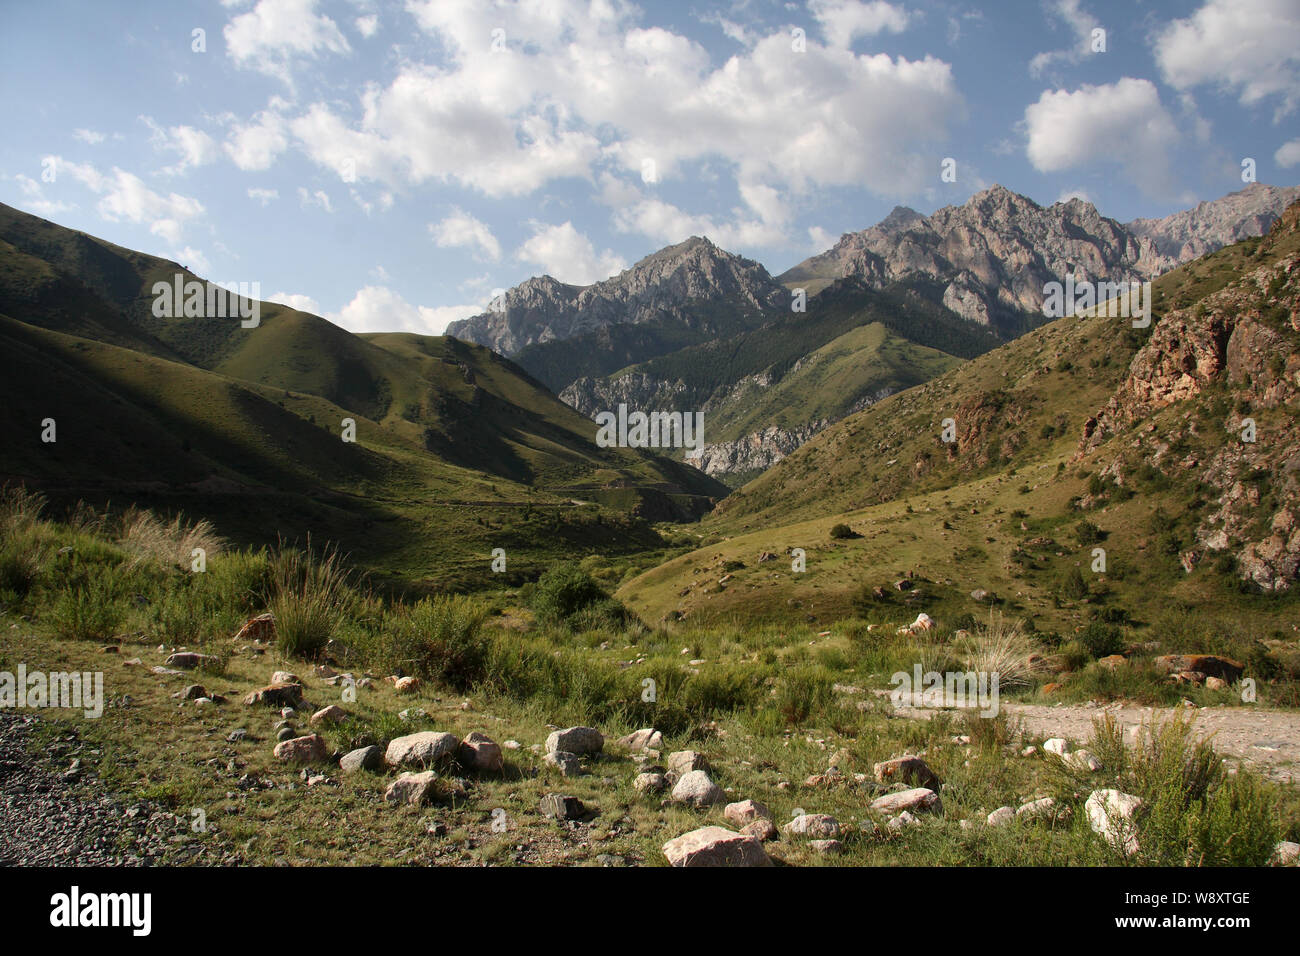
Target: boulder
pixel 650 783
pixel 827 847
pixel 745 812
pixel 328 715
pixel 1083 761
pixel 307 749
pixel 285 677
pixel 364 758
pixel 1285 853
pixel 276 695
pixel 695 789
pixel 576 740
pixel 1001 817
pixel 715 846
pixel 814 826
pixel 1211 665
pixel 1044 809
pixel 260 629
pixel 190 660
pixel 480 753
pixel 917 800
pixel 684 761
pixel 762 830
pixel 1111 814
pixel 907 769
pixel 1056 745
pixel 557 806
pixel 647 739
pixel 569 765
pixel 406 685
pixel 423 749
pixel 194 692
pixel 415 789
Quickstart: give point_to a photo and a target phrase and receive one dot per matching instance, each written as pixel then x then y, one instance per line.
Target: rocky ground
pixel 65 817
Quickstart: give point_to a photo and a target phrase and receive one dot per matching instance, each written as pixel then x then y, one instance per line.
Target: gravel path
pixel 61 817
pixel 1267 739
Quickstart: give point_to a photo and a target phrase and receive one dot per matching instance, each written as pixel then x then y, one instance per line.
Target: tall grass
pixel 146 536
pixel 999 648
pixel 310 595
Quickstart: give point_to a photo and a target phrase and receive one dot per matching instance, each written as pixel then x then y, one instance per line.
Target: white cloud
pixel 380 309
pixel 193 259
pixel 1120 122
pixel 294 300
pixel 34 198
pixel 1288 154
pixel 567 255
pixel 820 239
pixel 318 198
pixel 461 230
pixel 1250 47
pixel 254 146
pixel 1068 194
pixel 842 21
pixel 275 32
pixel 88 136
pixel 193 146
pixel 125 197
pixel 264 196
pixel 1081 24
pixel 367 26
pixel 580 87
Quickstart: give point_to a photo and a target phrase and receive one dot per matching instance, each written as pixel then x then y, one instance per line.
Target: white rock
pixel 424 748
pixel 695 789
pixel 1001 817
pixel 1110 814
pixel 1056 745
pixel 715 846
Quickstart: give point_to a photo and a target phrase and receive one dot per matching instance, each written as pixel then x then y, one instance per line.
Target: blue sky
pixel 390 165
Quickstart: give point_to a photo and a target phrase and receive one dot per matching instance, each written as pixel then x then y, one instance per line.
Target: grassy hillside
pixel 457 450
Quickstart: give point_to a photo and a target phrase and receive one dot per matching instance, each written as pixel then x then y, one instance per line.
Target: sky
pixel 392 165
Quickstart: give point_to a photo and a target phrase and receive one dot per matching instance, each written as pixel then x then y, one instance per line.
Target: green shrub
pixel 1101 640
pixel 91 610
pixel 842 531
pixel 311 594
pixel 566 596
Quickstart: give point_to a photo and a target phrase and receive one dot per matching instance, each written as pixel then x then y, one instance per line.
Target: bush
pixel 91 610
pixel 1073 586
pixel 1101 640
pixel 311 594
pixel 567 596
pixel 842 531
pixel 439 640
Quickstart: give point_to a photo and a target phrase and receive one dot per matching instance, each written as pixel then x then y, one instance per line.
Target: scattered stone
pixel 191 659
pixel 1285 853
pixel 902 821
pixel 1112 661
pixel 569 765
pixel 1224 668
pixel 684 761
pixel 324 671
pixel 260 629
pixel 1001 817
pixel 285 677
pixel 194 692
pixel 307 749
pixel 1043 809
pixel 1215 683
pixel 827 847
pixel 235 736
pixel 328 715
pixel 695 789
pixel 918 799
pixel 412 713
pixel 813 826
pixel 276 695
pixel 907 769
pixel 745 812
pixel 425 748
pixel 762 830
pixel 415 789
pixel 1110 814
pixel 1056 745
pixel 715 846
pixel 576 740
pixel 650 783
pixel 406 685
pixel 286 733
pixel 363 758
pixel 647 739
pixel 480 753
pixel 556 806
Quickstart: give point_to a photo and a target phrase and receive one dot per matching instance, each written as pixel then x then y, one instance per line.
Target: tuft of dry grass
pixel 146 536
pixel 20 509
pixel 1002 648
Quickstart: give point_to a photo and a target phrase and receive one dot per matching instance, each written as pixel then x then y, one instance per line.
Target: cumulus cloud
pixel 461 230
pixel 367 26
pixel 276 32
pixel 88 136
pixel 843 21
pixel 126 198
pixel 254 146
pixel 1081 24
pixel 263 196
pixel 294 300
pixel 380 309
pixel 34 200
pixel 579 89
pixel 1288 154
pixel 318 198
pixel 564 253
pixel 1120 122
pixel 1248 47
pixel 193 147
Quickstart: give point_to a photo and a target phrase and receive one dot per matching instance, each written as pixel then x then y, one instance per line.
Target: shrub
pixel 311 593
pixel 90 610
pixel 842 531
pixel 1073 586
pixel 564 592
pixel 437 639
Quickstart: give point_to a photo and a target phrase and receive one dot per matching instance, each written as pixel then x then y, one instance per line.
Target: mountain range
pixel 695 327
